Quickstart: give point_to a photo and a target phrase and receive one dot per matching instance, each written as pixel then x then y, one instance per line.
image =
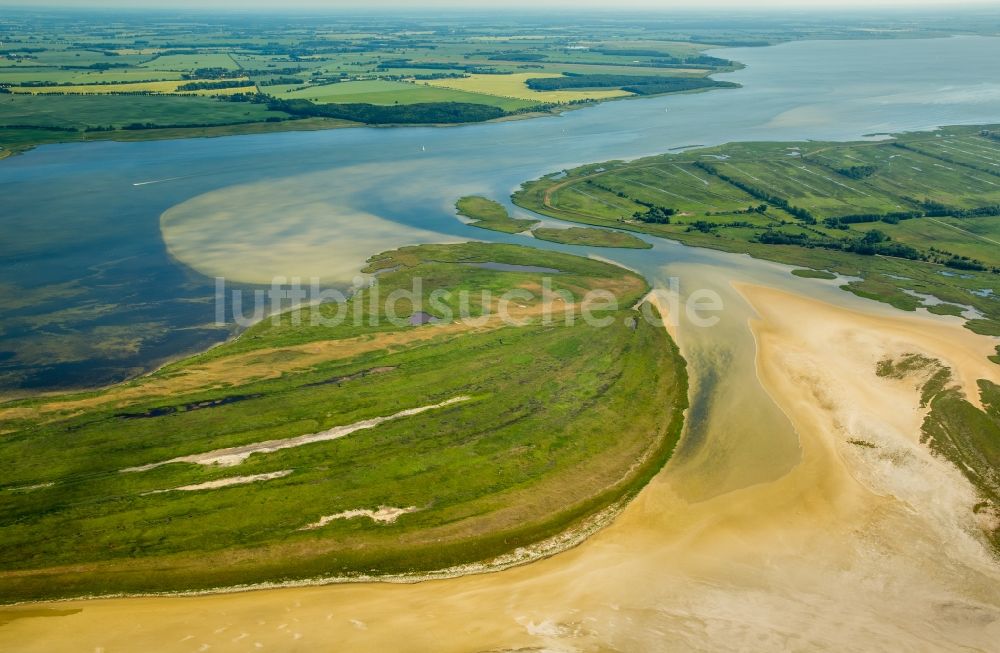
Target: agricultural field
pixel 188 62
pixel 389 92
pixel 88 111
pixel 977 238
pixel 514 85
pixel 33 119
pixel 963 149
pixel 917 224
pixel 21 76
pixel 150 479
pixel 163 87
pixel 333 71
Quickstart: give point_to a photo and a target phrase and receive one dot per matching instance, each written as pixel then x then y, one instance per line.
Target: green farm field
pixel 376 76
pixel 82 111
pixel 183 62
pixel 19 76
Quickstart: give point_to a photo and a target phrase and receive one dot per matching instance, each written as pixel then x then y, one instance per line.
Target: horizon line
pixel 756 7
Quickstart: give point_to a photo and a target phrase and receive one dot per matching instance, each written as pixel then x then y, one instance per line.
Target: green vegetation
pixel 532 442
pixel 996 359
pixel 488 214
pixel 331 71
pixel 81 113
pixel 28 120
pixel 984 327
pixel 591 237
pixel 340 70
pixel 946 309
pixel 375 114
pixel 956 429
pixel 806 273
pixel 913 216
pixel 383 92
pixel 637 84
pixel 491 215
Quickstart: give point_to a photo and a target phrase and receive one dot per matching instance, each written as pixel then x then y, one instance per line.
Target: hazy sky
pixel 536 4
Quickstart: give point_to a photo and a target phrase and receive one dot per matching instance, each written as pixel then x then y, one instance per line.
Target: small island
pixel 591 237
pixel 488 214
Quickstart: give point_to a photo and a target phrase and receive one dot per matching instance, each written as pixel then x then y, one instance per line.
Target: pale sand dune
pixel 384 515
pixel 225 482
pixel 853 549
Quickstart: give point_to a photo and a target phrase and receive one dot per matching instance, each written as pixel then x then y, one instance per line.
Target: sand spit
pixel 384 515
pixel 663 300
pixel 232 456
pixel 855 548
pixel 225 482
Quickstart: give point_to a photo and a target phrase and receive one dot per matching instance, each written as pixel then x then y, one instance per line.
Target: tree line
pixel 776 200
pixel 374 114
pixel 638 84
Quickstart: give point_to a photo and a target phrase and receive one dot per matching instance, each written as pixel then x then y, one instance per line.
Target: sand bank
pixel 856 548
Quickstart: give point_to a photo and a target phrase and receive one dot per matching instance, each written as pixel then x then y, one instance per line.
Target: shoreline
pixel 841 537
pixel 167 133
pixel 568 528
pixel 551 546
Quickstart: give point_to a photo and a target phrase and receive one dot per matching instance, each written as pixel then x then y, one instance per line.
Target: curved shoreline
pixel 319 124
pixel 547 548
pixel 562 527
pixel 832 540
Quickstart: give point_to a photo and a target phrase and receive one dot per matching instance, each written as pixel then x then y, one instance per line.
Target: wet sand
pixel 851 548
pixel 287 228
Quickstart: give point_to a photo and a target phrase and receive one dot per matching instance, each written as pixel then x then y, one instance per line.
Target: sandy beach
pixel 856 548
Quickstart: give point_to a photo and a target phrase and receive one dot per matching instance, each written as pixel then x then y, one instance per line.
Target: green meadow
pixel 375 71
pixel 82 112
pixel 518 435
pixel 487 214
pixel 916 214
pixel 590 237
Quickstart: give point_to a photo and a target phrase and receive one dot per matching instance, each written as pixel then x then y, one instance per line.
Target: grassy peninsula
pixel 458 442
pixel 488 214
pixel 915 217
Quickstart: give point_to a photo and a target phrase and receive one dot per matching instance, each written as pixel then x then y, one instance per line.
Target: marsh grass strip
pixel 232 456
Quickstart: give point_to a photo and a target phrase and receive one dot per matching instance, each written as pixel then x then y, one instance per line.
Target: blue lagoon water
pixel 91 294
